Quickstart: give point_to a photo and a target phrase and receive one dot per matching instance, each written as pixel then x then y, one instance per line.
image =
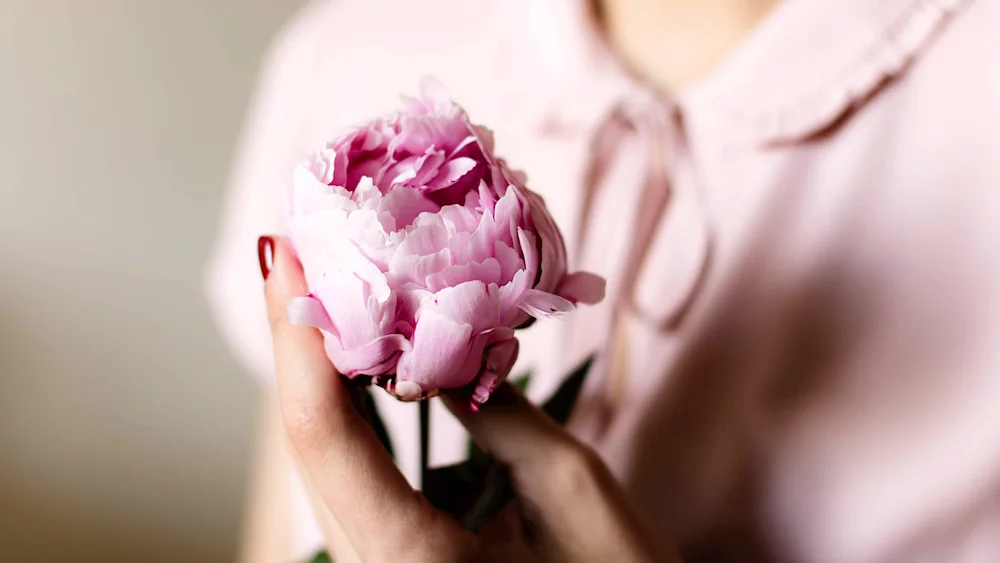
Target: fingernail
pixel 265 255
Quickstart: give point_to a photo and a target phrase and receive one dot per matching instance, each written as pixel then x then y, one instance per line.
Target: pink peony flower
pixel 423 252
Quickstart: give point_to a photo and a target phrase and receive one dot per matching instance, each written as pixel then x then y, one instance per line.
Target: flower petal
pixel 540 304
pixel 500 359
pixel 440 348
pixel 582 287
pixel 470 303
pixel 450 172
pixel 378 357
pixel 487 271
pixel 309 311
pixel 403 205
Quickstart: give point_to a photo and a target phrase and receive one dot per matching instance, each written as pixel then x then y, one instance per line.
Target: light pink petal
pixel 487 271
pixel 459 246
pixel 507 216
pixel 508 260
pixel 311 196
pixel 413 268
pixel 470 303
pixel 458 219
pixel 487 199
pixel 472 201
pixel 426 238
pixel 321 165
pixel 366 230
pixel 366 194
pixel 377 357
pixel 529 249
pixel 500 359
pixel 511 297
pixel 340 169
pixel 540 304
pixel 553 248
pixel 434 94
pixel 481 344
pixel 440 349
pixel 403 205
pixel 309 311
pixel 402 171
pixel 582 287
pixel 357 314
pixel 409 297
pixel 484 137
pixel 481 244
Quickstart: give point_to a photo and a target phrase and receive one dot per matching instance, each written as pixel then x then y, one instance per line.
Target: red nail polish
pixel 265 255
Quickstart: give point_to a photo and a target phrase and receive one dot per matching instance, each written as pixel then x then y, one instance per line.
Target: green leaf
pixel 561 403
pixel 321 557
pixel 425 439
pixel 522 381
pixel 497 493
pixel 455 488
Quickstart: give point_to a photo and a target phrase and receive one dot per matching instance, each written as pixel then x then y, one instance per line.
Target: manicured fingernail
pixel 265 255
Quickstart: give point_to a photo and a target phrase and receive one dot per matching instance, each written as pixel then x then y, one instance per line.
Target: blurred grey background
pixel 125 426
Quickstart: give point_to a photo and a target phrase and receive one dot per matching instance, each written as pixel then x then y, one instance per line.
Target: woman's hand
pixel 568 507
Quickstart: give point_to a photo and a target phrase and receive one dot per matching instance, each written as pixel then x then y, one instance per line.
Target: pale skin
pixel 367 511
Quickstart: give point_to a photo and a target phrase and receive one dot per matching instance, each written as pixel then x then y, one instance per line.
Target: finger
pixel 519 435
pixel 562 484
pixel 352 472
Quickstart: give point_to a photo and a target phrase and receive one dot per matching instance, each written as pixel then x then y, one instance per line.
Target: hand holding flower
pixel 568 507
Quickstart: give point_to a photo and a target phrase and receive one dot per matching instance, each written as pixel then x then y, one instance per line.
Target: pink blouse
pixel 799 359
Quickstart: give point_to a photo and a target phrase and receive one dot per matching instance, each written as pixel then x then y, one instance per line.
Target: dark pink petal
pixel 500 359
pixel 401 171
pixel 582 287
pixel 428 167
pixel 468 147
pixel 450 172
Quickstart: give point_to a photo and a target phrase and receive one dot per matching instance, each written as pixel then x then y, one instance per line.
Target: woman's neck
pixel 672 43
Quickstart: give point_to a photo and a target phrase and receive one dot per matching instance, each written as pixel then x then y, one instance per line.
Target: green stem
pixel 425 438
